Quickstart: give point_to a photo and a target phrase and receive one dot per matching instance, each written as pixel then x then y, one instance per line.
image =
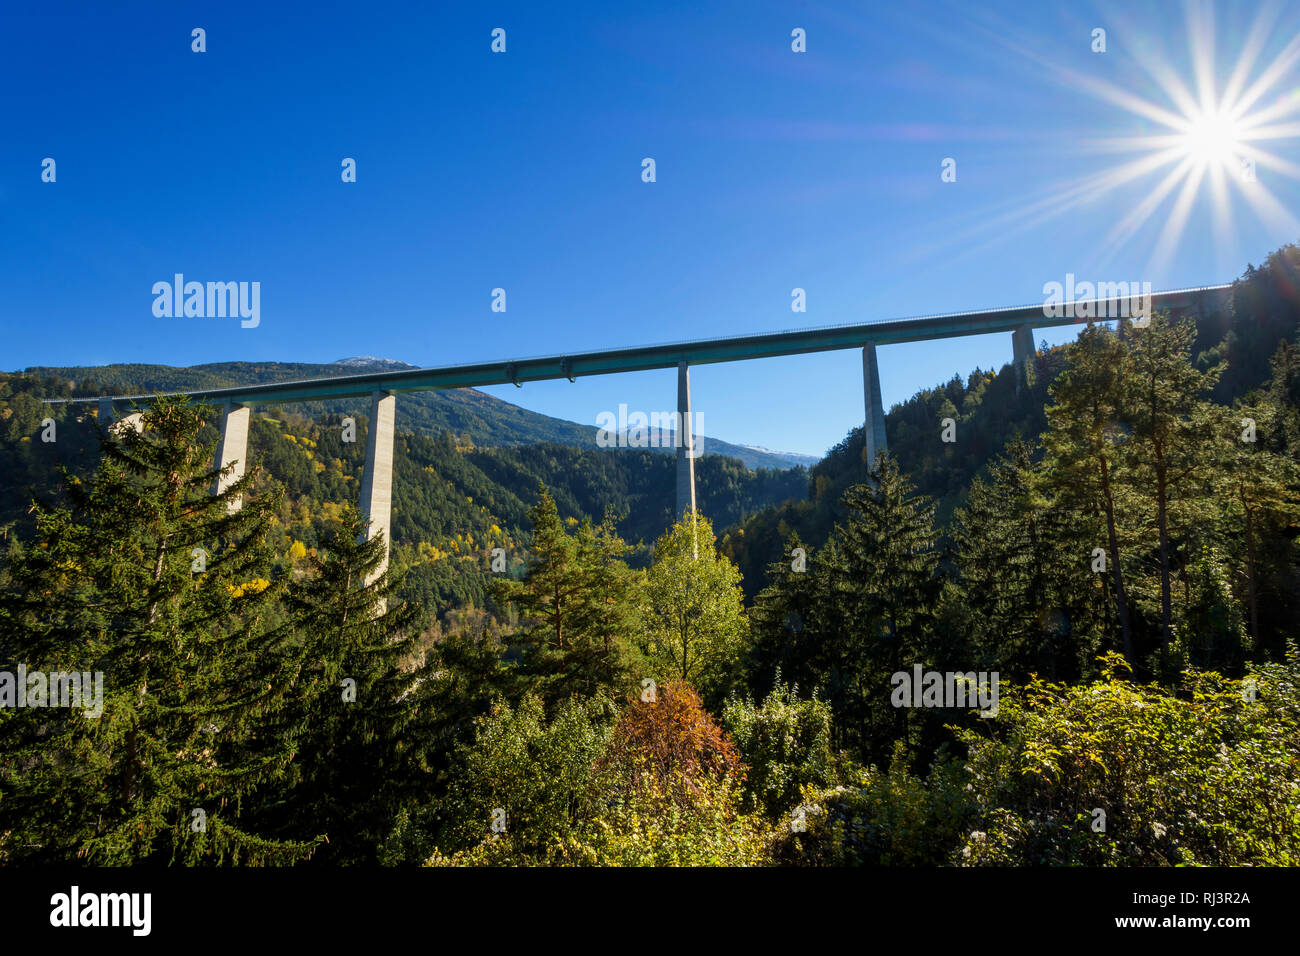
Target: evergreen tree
pixel 880 578
pixel 1029 605
pixel 782 647
pixel 603 653
pixel 574 604
pixel 360 693
pixel 1171 437
pixel 1084 427
pixel 165 589
pixel 1260 487
pixel 1000 554
pixel 1283 392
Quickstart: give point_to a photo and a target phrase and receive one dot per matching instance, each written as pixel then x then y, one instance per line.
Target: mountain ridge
pixel 482 418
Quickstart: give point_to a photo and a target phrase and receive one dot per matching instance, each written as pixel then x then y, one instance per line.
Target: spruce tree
pixel 880 574
pixel 359 695
pixel 166 588
pixel 575 604
pixel 1172 437
pixel 1084 428
pixel 1260 489
pixel 782 647
pixel 998 547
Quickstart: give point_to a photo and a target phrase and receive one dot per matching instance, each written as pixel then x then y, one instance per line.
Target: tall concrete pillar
pixel 377 482
pixel 874 427
pixel 686 446
pixel 686 451
pixel 232 449
pixel 110 423
pixel 1022 352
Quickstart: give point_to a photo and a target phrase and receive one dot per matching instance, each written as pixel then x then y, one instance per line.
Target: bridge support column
pixel 874 427
pixel 1022 352
pixel 232 449
pixel 377 482
pixel 109 421
pixel 685 448
pixel 686 444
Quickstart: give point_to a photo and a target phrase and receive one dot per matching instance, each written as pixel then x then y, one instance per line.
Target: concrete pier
pixel 685 447
pixel 377 482
pixel 686 450
pixel 874 426
pixel 109 421
pixel 232 449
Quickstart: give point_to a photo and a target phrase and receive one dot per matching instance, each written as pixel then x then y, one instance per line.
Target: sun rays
pixel 1206 144
pixel 1211 132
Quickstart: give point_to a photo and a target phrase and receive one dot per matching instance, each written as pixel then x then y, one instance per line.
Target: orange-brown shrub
pixel 668 744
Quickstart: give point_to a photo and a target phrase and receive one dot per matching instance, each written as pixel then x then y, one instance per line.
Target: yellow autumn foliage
pixel 255 586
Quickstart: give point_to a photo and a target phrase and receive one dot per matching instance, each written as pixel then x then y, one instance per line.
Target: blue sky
pixel 522 170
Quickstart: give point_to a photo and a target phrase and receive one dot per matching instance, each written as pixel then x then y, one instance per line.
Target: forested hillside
pixel 1096 665
pixel 989 413
pixel 474 417
pixel 452 502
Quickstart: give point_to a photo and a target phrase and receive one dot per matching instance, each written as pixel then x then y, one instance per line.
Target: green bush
pixel 538 772
pixel 787 744
pixel 646 827
pixel 1204 777
pixel 881 819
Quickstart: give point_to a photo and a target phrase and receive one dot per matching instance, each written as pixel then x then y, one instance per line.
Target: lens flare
pixel 1222 136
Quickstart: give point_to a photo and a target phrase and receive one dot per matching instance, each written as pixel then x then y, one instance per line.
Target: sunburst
pixel 1202 139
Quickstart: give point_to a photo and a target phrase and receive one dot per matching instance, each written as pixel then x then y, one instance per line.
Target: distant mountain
pixel 468 468
pixel 484 420
pixel 794 459
pixel 369 361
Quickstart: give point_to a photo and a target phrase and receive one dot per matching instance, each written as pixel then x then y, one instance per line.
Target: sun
pixel 1214 130
pixel 1213 139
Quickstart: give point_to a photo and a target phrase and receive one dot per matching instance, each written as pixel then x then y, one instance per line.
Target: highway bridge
pixel 382 387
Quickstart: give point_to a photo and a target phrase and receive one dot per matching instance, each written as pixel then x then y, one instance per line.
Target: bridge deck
pixel 698 352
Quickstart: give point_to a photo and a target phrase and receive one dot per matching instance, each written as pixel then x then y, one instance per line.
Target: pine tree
pixel 781 648
pixel 1284 396
pixel 1260 486
pixel 1083 429
pixel 1172 435
pixel 1029 604
pixel 997 538
pixel 547 598
pixel 360 697
pixel 166 589
pixel 574 605
pixel 879 572
pixel 602 653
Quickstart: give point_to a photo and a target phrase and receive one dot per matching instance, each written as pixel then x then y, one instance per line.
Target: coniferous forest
pixel 553 671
